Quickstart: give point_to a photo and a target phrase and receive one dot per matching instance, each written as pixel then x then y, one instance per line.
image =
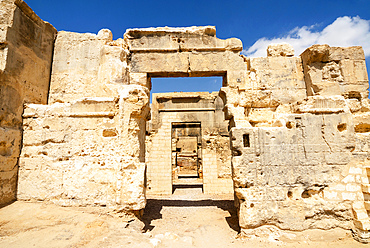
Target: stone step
pixel 188 181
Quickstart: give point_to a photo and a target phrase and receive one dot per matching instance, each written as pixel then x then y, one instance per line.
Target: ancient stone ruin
pixel 193 127
pixel 285 134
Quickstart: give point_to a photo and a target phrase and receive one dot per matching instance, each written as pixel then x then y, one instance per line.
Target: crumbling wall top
pixel 326 53
pixel 281 49
pixel 167 39
pixel 196 30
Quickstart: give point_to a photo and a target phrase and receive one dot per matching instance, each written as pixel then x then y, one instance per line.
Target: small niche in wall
pixel 246 142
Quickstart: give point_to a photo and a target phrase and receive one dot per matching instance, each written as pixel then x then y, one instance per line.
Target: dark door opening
pixel 186 154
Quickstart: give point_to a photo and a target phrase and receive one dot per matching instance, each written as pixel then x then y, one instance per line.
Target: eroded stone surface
pixel 26 45
pixel 87 65
pixel 276 50
pixel 87 152
pixel 299 125
pixel 188 143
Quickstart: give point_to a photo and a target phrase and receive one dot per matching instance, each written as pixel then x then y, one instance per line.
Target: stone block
pixel 348 70
pixel 113 65
pixel 338 187
pixel 215 62
pixel 42 184
pixel 362 122
pixel 331 195
pixel 42 137
pixel 340 53
pixel 140 79
pixel 167 39
pixel 8 163
pixel 360 214
pixel 160 62
pixel 277 50
pixel 256 115
pixel 367 205
pixel 360 71
pixel 322 104
pixel 348 196
pixel 355 171
pixel 351 187
pixel 362 225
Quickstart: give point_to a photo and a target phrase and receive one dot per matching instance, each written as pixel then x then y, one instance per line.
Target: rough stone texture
pixel 87 65
pixel 299 125
pixel 336 71
pixel 302 153
pixel 262 89
pixel 276 50
pixel 26 47
pixel 87 152
pixel 172 113
pixel 289 168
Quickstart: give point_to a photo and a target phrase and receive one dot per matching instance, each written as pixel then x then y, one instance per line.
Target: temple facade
pixel 285 134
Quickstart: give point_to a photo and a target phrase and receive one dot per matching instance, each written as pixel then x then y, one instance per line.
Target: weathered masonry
pixel 188 144
pixel 74 110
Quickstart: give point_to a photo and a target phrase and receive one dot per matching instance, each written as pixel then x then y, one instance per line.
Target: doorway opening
pixel 186 154
pixel 187 138
pixel 185 84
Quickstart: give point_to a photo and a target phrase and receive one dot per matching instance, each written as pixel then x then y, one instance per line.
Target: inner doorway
pixel 187 139
pixel 186 147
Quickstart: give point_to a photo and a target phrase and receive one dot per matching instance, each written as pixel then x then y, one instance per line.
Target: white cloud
pixel 344 31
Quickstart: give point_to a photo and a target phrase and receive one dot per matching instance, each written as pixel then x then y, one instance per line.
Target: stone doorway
pixel 186 154
pixel 188 144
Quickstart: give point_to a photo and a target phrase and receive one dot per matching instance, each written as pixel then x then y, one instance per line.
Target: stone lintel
pixel 167 40
pixel 187 95
pixel 187 110
pixel 135 33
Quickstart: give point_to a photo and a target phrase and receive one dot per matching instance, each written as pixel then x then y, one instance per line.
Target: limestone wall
pixel 268 84
pixel 86 147
pixel 342 71
pixel 179 52
pixel 300 125
pixel 26 47
pixel 307 155
pixel 86 152
pixel 295 123
pixel 293 169
pixel 87 65
pixel 336 71
pixel 200 107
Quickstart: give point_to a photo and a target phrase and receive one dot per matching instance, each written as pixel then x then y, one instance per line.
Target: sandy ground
pixel 188 218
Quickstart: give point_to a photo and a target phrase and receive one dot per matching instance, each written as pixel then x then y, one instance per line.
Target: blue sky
pixel 256 23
